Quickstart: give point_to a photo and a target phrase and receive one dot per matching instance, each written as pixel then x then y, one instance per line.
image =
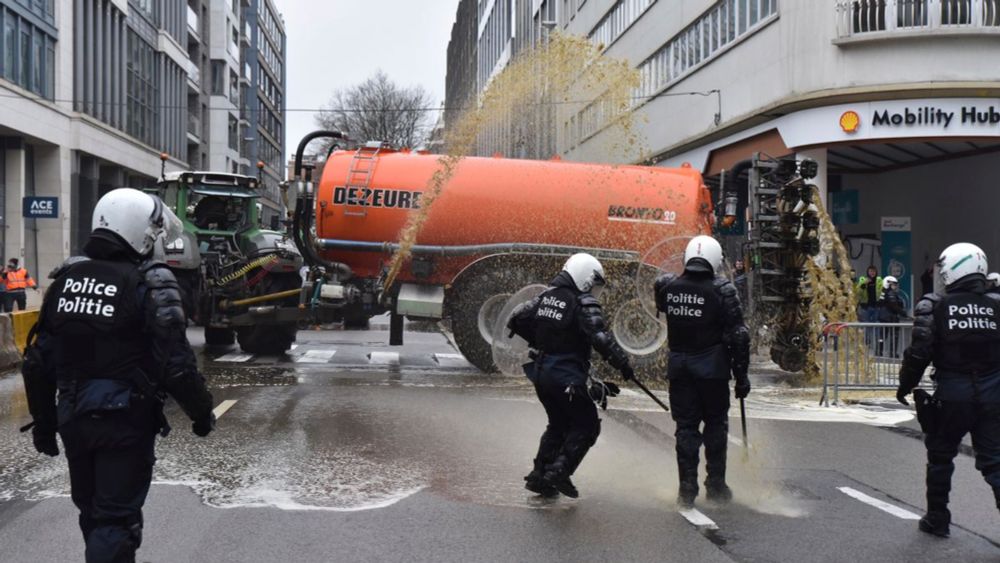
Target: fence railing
pixel 859 17
pixel 862 356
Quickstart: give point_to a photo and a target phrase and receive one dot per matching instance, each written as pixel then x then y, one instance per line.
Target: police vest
pixel 967 334
pixel 93 315
pixel 555 322
pixel 19 279
pixel 694 313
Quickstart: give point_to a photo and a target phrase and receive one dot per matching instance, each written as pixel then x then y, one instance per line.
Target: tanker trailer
pixel 498 225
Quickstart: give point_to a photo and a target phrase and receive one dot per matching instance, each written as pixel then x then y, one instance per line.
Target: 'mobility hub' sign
pixel 936 116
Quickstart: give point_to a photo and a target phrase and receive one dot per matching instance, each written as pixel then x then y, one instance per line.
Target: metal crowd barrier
pixel 862 356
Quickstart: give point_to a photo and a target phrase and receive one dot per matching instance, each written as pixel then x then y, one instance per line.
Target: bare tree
pixel 378 109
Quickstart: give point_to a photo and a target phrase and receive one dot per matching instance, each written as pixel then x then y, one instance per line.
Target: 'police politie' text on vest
pixel 681 305
pixel 971 316
pixel 85 297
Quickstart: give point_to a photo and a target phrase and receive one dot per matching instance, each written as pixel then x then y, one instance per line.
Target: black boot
pixel 557 476
pixel 938 518
pixel 534 483
pixel 687 492
pixel 936 522
pixel 718 491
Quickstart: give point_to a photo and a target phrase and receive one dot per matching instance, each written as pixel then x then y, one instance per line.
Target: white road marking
pixel 294 346
pixel 235 357
pixel 734 440
pixel 451 360
pixel 315 357
pixel 881 505
pixel 698 520
pixel 384 358
pixel 223 408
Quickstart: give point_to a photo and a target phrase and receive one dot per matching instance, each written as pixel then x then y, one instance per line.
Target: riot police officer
pixel 110 342
pixel 959 332
pixel 562 324
pixel 708 342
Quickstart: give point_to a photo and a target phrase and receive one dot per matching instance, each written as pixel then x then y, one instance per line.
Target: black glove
pixel 901 393
pixel 612 389
pixel 628 374
pixel 204 426
pixel 45 441
pixel 742 388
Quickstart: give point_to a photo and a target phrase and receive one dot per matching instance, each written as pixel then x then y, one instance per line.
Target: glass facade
pixel 142 90
pixel 27 51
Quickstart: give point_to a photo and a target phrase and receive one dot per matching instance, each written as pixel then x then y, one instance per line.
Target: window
pixel 218 78
pixel 38 57
pixel 50 70
pixel 9 48
pixel 956 12
pixel 25 77
pixel 234 133
pixel 702 40
pixel 618 19
pixel 142 91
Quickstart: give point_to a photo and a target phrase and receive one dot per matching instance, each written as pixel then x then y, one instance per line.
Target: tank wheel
pixel 274 338
pixel 475 302
pixel 219 336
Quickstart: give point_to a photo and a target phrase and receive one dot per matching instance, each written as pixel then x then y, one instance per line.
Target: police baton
pixel 650 393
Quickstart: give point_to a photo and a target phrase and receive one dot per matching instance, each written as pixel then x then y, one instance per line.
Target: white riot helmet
pixel 993 280
pixel 960 260
pixel 138 218
pixel 587 273
pixel 706 248
pixel 888 281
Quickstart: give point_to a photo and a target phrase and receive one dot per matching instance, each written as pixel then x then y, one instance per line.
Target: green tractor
pixel 239 281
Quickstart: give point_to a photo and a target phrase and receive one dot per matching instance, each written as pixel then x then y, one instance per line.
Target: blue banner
pixel 40 207
pixel 897 254
pixel 844 207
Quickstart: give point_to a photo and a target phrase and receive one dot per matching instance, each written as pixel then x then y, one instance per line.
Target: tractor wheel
pixel 476 300
pixel 274 338
pixel 219 336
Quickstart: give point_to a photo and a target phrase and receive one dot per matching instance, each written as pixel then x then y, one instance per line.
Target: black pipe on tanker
pixel 304 208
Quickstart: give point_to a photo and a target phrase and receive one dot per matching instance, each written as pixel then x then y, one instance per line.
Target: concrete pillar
pixel 17 177
pixel 53 178
pixel 820 181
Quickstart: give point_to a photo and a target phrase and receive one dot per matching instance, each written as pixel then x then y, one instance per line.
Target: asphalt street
pixel 350 450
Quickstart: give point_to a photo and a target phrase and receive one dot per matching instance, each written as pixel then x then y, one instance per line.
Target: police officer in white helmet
pixel 959 332
pixel 562 325
pixel 111 344
pixel 709 344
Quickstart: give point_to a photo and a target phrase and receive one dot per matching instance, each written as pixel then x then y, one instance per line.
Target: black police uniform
pixel 111 341
pixel 708 341
pixel 891 309
pixel 960 334
pixel 563 324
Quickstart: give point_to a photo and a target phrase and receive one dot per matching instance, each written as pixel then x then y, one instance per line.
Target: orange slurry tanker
pixel 496 226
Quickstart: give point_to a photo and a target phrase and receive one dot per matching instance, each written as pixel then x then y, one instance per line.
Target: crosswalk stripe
pixel 235 357
pixel 698 520
pixel 315 357
pixel 223 408
pixel 879 504
pixel 384 358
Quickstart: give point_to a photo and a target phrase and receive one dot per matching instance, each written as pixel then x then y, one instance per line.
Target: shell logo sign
pixel 850 121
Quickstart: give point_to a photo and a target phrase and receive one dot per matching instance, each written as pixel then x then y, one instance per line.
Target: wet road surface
pixel 347 450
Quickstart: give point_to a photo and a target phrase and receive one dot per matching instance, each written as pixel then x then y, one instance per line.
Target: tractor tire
pixel 219 336
pixel 475 301
pixel 274 338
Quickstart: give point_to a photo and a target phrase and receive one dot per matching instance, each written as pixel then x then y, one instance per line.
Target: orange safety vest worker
pixel 19 279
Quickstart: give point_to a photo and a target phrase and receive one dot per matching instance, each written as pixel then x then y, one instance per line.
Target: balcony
pixel 194 25
pixel 864 20
pixel 194 128
pixel 194 77
pixel 245 37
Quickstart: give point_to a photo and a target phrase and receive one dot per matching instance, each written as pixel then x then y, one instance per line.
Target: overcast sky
pixel 334 44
